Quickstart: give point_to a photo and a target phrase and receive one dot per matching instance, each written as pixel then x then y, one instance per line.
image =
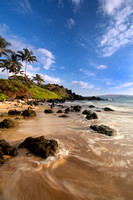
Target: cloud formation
pixel 50 79
pixel 77 2
pixel 45 57
pixel 87 73
pixel 101 67
pixel 119 32
pixel 82 84
pixel 70 23
pixel 124 85
pixel 21 6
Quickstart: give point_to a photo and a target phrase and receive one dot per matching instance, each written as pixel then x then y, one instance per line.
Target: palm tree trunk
pixel 25 67
pixel 7 74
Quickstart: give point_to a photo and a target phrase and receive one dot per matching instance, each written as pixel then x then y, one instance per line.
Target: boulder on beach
pixel 108 109
pixel 48 111
pixel 29 113
pixel 102 129
pixel 59 111
pixel 14 112
pixel 40 146
pixel 67 110
pixel 6 149
pixel 64 116
pixel 91 116
pixel 7 123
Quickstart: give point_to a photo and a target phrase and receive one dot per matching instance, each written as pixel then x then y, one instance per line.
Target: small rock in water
pixel 7 123
pixel 29 113
pixel 87 112
pixel 6 149
pixel 14 112
pixel 91 106
pixel 59 111
pixel 48 111
pixel 102 129
pixel 40 146
pixel 76 108
pixel 92 115
pixel 108 109
pixel 64 116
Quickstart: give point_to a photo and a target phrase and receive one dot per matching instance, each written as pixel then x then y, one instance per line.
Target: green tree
pixel 26 56
pixel 15 64
pixel 3 47
pixel 38 78
pixel 5 64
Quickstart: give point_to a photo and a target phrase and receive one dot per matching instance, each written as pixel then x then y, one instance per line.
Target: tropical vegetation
pixel 18 85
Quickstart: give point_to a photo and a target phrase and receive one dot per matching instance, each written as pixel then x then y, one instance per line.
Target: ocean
pixel 87 165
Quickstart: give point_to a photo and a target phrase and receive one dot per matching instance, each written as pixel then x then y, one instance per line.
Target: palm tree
pixel 38 78
pixel 3 47
pixel 27 56
pixel 6 66
pixel 15 65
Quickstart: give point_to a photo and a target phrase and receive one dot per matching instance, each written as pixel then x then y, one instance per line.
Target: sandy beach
pixel 86 165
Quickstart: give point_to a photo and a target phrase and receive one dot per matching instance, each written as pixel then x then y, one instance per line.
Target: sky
pixel 84 45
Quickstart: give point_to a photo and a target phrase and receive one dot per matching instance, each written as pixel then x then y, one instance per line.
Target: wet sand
pixel 87 166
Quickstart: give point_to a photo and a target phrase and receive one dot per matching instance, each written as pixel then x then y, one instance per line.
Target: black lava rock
pixel 102 129
pixel 7 123
pixel 40 146
pixel 29 113
pixel 48 111
pixel 14 112
pixel 108 109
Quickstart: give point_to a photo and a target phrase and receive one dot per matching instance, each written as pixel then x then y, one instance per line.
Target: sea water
pixel 87 165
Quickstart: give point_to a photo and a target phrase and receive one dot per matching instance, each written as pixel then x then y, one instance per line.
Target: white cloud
pixel 45 57
pixel 87 73
pixel 101 67
pixel 50 79
pixel 82 84
pixel 124 85
pixel 34 69
pixel 77 2
pixel 108 83
pixel 62 67
pixel 70 23
pixel 23 6
pixel 109 6
pixel 119 32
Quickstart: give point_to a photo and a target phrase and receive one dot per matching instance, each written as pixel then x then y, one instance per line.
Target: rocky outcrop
pixel 48 111
pixel 108 109
pixel 7 123
pixel 102 129
pixel 6 149
pixel 29 113
pixel 91 115
pixel 40 146
pixel 14 112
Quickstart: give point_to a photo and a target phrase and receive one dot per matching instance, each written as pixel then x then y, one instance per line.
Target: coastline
pixel 84 159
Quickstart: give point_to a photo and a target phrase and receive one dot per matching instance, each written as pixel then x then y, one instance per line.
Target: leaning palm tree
pixel 26 56
pixel 38 78
pixel 3 47
pixel 5 64
pixel 15 65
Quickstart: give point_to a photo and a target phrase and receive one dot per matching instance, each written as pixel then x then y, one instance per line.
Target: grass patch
pixel 3 96
pixel 40 93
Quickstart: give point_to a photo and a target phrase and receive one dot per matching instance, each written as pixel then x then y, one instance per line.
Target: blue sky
pixel 84 45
